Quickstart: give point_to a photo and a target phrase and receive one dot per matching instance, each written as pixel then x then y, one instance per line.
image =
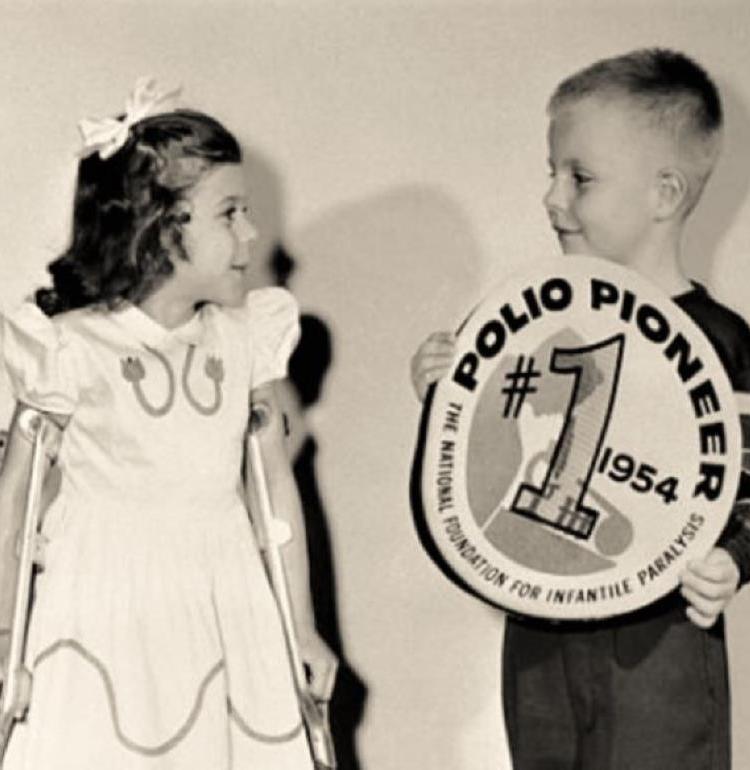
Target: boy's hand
pixel 432 361
pixel 708 585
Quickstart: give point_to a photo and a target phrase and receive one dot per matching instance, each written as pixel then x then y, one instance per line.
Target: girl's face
pixel 216 238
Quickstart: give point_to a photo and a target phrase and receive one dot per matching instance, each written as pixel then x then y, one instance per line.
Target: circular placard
pixel 584 445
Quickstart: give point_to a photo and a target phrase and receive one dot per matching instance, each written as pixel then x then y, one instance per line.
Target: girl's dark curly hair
pixel 125 214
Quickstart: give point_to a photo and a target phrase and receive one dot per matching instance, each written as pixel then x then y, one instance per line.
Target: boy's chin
pixel 571 249
pixel 573 245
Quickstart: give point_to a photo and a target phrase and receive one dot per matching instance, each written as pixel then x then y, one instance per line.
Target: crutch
pixel 273 533
pixel 16 685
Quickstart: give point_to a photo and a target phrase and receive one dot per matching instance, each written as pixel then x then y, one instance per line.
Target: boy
pixel 632 142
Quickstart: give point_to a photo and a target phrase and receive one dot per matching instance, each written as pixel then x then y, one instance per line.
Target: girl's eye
pixel 232 212
pixel 581 178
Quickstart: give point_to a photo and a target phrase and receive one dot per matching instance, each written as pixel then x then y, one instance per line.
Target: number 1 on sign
pixel 560 502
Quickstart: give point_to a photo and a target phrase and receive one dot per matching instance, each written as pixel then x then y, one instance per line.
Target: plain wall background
pixel 399 151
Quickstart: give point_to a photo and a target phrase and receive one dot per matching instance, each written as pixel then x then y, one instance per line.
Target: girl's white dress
pixel 154 642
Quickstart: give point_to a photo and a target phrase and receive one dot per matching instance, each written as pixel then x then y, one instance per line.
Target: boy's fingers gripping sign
pixel 708 585
pixel 432 361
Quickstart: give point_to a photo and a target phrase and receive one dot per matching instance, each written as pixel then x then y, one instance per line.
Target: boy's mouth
pixel 562 231
pixel 564 235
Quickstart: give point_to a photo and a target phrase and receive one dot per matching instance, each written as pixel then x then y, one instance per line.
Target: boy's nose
pixel 554 199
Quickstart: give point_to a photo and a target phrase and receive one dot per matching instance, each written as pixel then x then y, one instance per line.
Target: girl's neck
pixel 168 311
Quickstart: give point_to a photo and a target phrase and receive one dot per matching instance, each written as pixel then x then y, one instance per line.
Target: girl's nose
pixel 246 230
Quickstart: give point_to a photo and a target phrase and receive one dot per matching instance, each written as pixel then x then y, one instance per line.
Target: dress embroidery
pixel 182 732
pixel 214 369
pixel 134 372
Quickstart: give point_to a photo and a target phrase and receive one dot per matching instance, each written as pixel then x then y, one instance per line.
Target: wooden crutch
pixel 16 685
pixel 272 534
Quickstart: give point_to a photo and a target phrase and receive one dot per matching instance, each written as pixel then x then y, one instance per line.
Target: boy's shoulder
pixel 727 331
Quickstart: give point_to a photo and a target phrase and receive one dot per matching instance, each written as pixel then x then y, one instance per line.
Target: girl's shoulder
pixel 29 327
pixel 265 308
pixel 266 326
pixel 40 357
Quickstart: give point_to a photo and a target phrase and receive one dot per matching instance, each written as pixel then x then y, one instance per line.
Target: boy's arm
pixel 736 538
pixel 286 505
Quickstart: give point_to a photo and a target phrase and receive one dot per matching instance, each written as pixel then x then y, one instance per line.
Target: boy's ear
pixel 671 193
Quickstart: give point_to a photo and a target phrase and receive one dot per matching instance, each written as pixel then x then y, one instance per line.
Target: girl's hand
pixel 708 585
pixel 432 361
pixel 321 663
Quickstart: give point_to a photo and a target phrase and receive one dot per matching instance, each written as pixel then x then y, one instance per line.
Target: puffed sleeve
pixel 37 357
pixel 273 317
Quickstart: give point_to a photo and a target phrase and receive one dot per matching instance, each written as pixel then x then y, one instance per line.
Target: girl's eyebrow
pixel 234 198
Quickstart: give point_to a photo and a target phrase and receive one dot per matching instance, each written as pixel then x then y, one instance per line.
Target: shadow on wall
pixel 390 268
pixel 308 366
pixel 723 196
pixel 406 254
pixel 266 196
pixel 307 371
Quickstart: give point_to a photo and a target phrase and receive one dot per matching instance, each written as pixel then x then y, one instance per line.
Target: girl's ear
pixel 171 234
pixel 670 193
pixel 180 213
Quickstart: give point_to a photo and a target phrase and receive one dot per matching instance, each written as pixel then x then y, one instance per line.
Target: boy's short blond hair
pixel 675 95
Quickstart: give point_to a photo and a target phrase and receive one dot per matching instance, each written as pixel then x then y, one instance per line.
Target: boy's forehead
pixel 599 124
pixel 595 114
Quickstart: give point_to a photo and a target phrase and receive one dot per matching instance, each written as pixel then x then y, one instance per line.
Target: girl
pixel 154 639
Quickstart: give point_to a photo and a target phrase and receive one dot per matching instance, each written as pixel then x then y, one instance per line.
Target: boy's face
pixel 603 168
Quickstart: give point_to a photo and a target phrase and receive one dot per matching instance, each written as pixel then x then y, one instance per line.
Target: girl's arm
pixel 14 475
pixel 286 505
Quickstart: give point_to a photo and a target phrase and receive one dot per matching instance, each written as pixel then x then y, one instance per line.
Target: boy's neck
pixel 669 277
pixel 661 265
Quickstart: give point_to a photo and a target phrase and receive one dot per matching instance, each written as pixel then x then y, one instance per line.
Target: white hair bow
pixel 107 135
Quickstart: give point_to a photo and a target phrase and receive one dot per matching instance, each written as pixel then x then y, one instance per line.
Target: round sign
pixel 584 445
